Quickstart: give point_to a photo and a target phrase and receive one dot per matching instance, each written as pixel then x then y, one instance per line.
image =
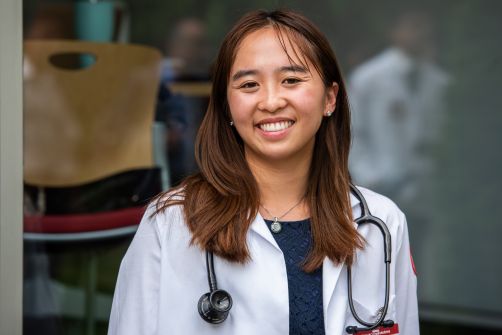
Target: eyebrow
pixel 242 73
pixel 292 68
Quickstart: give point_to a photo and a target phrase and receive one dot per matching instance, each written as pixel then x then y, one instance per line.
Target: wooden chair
pixel 83 126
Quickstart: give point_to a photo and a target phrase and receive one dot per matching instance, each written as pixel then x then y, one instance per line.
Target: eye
pixel 291 81
pixel 248 85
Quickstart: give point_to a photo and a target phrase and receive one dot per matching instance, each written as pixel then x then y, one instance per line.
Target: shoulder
pixel 379 203
pixel 387 210
pixel 162 217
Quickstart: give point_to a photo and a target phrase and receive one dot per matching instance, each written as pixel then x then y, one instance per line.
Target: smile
pixel 275 126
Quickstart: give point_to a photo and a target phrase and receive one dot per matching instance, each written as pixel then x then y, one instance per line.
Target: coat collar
pixel 353 200
pixel 260 227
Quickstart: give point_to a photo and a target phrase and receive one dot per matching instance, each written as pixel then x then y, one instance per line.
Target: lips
pixel 275 126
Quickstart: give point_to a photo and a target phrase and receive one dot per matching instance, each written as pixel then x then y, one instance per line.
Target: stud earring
pixel 328 113
pixel 231 123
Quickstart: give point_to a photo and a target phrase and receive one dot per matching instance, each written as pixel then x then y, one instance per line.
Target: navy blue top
pixel 305 289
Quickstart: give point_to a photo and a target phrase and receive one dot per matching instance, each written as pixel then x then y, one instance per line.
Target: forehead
pixel 269 43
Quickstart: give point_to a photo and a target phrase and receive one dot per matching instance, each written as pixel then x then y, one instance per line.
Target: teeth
pixel 276 126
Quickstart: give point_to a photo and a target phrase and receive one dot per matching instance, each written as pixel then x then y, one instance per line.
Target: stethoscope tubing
pixel 214 315
pixel 383 313
pixel 211 277
pixel 367 217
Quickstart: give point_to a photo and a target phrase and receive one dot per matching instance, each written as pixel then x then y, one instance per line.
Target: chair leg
pixel 91 287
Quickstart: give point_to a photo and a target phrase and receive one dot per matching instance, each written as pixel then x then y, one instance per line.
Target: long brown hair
pixel 221 201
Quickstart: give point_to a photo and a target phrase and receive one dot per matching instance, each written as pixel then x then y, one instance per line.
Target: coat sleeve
pixel 135 301
pixel 406 284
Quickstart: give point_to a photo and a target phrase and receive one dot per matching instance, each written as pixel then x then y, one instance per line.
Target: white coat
pixel 162 277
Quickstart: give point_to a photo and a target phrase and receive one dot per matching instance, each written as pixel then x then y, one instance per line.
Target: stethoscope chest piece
pixel 214 306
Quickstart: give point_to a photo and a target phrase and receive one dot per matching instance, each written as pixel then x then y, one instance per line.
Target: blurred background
pixel 114 92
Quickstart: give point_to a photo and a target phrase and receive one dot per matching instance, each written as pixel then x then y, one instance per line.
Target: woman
pixel 273 145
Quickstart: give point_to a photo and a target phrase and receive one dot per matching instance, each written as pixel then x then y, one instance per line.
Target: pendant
pixel 276 226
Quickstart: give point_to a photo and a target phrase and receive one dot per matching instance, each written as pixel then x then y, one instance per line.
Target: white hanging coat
pixel 162 277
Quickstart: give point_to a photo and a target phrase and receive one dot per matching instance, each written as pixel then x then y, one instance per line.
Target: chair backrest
pixel 84 124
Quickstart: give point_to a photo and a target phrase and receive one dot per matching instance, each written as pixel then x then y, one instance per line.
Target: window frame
pixel 11 167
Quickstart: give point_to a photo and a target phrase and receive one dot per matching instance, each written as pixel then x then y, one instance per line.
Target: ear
pixel 331 94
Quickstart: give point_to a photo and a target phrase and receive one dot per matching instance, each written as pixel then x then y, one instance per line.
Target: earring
pixel 231 123
pixel 328 113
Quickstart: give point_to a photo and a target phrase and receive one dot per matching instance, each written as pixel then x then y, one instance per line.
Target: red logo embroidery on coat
pixel 381 331
pixel 413 263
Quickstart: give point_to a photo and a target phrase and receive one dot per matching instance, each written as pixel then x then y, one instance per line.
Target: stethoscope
pixel 215 305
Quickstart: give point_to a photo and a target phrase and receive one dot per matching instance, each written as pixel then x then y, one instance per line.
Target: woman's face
pixel 277 105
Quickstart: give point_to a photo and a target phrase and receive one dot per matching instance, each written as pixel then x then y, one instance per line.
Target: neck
pixel 281 184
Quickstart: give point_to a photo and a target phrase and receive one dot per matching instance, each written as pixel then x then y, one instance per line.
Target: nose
pixel 271 100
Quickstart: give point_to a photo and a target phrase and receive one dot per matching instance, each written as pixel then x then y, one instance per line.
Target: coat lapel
pixel 260 227
pixel 330 273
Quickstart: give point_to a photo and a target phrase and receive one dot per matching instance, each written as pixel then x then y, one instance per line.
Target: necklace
pixel 276 226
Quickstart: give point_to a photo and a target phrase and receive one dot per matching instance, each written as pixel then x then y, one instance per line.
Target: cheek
pixel 312 104
pixel 240 107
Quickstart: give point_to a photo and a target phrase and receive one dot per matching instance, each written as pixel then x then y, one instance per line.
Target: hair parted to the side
pixel 221 201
